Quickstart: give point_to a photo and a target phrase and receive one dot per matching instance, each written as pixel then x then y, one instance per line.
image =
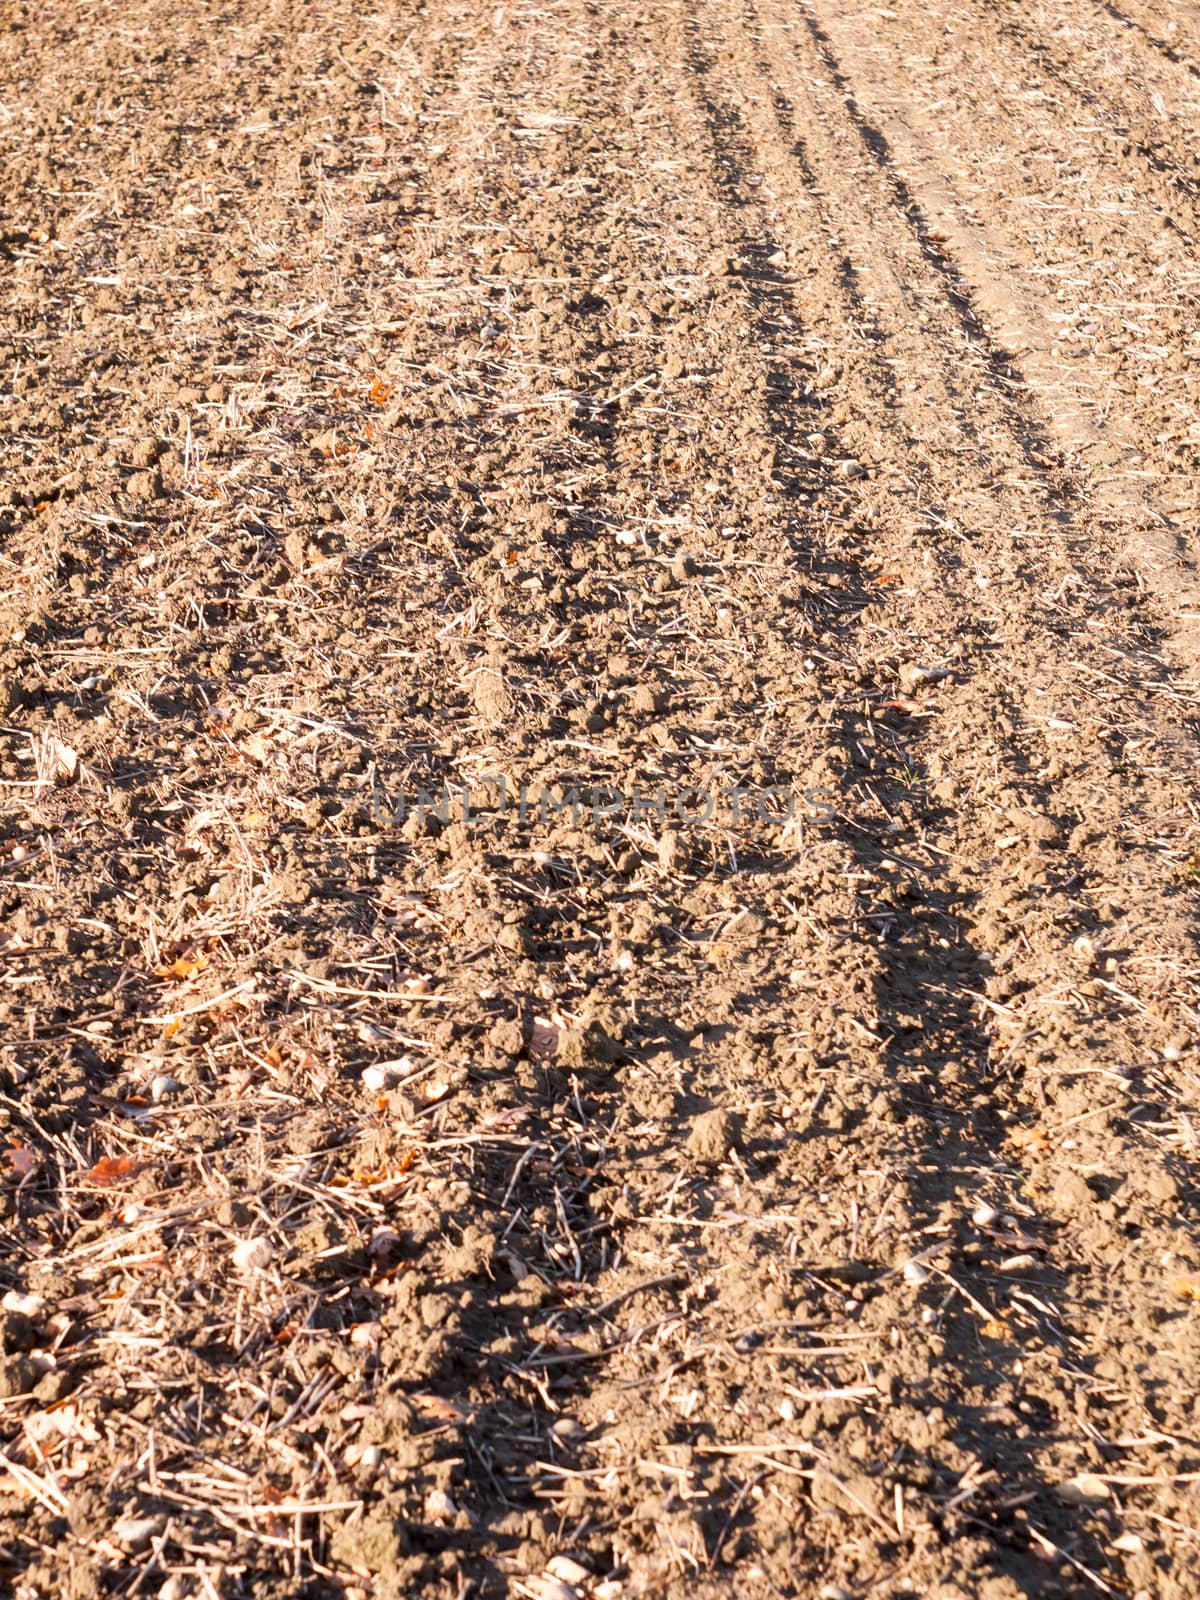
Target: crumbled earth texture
pixel 599 839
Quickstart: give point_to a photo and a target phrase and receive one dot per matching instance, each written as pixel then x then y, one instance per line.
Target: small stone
pixel 1021 1263
pixel 439 1506
pixel 545 1586
pixel 850 468
pixel 915 1272
pixel 1086 1489
pixel 371 1457
pixel 913 676
pixel 175 1588
pixel 253 1255
pixel 569 1570
pixel 135 1533
pixel 163 1087
pixel 27 1305
pixel 984 1215
pixel 715 1135
pixel 379 1077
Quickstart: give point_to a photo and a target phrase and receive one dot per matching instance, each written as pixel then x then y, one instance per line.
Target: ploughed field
pixel 598 842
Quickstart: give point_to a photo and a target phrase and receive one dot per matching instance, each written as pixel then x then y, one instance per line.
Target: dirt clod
pixel 715 1135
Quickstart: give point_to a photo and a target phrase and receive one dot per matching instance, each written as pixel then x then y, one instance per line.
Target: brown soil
pixel 725 1196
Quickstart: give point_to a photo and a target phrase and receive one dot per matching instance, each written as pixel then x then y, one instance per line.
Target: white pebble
pixel 163 1087
pixel 568 1570
pixel 913 676
pixel 174 1589
pixel 378 1078
pixel 371 1457
pixel 1019 1263
pixel 439 1505
pixel 384 1240
pixel 135 1533
pixel 915 1272
pixel 253 1255
pixel 787 1410
pixel 545 1586
pixel 984 1215
pixel 27 1304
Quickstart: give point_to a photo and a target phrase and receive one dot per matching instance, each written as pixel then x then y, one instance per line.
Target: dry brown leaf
pixel 993 1328
pixel 1036 1140
pixel 62 1421
pixel 903 703
pixel 184 967
pixel 23 1161
pixel 112 1169
pixel 1186 1286
pixel 257 747
pixel 374 1178
pixel 439 1409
